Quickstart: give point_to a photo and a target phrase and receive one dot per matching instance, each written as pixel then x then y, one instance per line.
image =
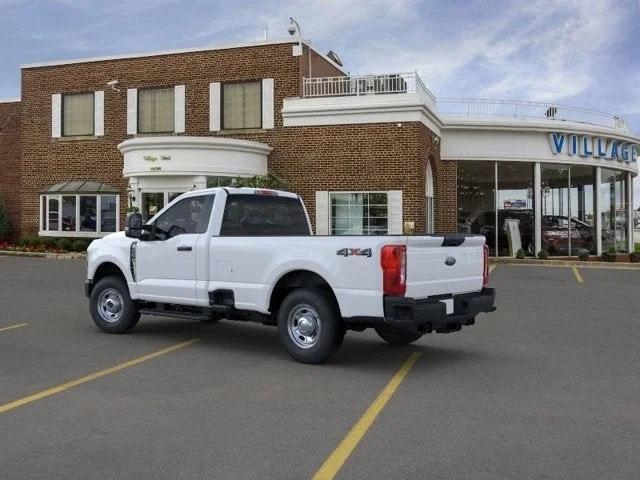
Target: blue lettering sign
pixel 586 146
pixel 557 142
pixel 601 147
pixel 614 150
pixel 573 145
pixel 624 152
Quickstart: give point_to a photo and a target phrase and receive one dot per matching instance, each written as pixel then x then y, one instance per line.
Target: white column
pixel 537 200
pixel 630 211
pixel 394 198
pixel 214 107
pixel 322 212
pixel 598 213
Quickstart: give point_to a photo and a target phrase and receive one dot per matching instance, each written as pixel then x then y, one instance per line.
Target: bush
pixel 543 254
pixel 4 220
pixel 79 245
pixel 634 257
pixel 261 181
pixel 27 242
pixel 583 254
pixel 65 244
pixel 520 254
pixel 49 242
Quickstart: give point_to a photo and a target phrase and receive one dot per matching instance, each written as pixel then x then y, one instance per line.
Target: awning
pixel 80 187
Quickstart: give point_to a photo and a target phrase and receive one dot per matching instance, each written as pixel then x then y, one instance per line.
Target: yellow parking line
pixel 334 463
pixel 94 376
pixel 11 327
pixel 577 274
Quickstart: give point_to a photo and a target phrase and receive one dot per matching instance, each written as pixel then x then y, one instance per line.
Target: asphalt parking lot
pixel 546 387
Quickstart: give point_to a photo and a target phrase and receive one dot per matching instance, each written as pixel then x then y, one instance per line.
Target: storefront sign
pixel 589 146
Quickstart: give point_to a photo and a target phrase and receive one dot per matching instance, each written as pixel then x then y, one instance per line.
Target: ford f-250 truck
pixel 249 254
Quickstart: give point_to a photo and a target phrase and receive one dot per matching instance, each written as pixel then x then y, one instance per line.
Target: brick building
pixel 369 154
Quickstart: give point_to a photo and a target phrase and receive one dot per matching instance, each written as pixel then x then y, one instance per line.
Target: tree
pixel 261 181
pixel 4 220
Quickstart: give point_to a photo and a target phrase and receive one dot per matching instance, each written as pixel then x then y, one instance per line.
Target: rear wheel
pixel 309 325
pixel 112 309
pixel 397 338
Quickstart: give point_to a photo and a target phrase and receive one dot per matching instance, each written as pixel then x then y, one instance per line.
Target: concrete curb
pixel 58 256
pixel 564 263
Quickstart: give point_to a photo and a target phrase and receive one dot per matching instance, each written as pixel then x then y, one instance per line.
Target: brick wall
pixel 340 157
pixel 46 161
pixel 444 180
pixel 10 161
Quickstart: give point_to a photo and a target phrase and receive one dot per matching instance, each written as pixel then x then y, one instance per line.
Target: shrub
pixel 634 257
pixel 261 181
pixel 520 254
pixel 583 254
pixel 49 242
pixel 65 244
pixel 4 220
pixel 79 245
pixel 543 254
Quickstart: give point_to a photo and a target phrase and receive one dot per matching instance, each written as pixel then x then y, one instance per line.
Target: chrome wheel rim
pixel 110 305
pixel 304 326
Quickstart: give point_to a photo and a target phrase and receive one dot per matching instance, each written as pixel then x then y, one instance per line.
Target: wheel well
pixel 108 269
pixel 294 280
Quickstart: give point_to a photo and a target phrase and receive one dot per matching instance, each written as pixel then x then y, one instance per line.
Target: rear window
pixel 267 215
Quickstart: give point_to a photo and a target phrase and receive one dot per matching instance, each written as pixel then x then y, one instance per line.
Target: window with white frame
pixel 156 110
pixel 78 114
pixel 242 105
pixel 359 213
pixel 80 213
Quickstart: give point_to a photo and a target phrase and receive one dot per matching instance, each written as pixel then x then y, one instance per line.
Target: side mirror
pixel 133 225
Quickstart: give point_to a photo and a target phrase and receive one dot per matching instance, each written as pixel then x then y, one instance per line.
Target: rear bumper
pixel 430 315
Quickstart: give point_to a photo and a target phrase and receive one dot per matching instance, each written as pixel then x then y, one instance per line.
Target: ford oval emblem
pixel 450 261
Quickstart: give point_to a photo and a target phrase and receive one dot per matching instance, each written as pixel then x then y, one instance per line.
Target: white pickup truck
pixel 249 254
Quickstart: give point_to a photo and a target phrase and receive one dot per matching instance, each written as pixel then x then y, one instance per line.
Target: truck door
pixel 166 263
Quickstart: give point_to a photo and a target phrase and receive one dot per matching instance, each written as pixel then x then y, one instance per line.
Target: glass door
pixel 152 203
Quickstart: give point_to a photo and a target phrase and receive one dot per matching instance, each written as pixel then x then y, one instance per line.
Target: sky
pixel 576 52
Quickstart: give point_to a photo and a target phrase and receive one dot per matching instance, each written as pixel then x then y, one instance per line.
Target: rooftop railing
pixel 399 83
pixel 356 85
pixel 524 109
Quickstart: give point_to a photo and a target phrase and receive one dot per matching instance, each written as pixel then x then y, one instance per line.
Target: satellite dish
pixel 334 56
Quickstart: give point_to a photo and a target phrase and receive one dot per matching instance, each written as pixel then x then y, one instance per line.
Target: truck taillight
pixel 393 259
pixel 485 272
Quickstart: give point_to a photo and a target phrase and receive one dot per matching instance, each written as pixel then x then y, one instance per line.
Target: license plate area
pixel 449 305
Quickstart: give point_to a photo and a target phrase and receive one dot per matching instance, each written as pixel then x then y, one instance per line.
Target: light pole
pixel 294 27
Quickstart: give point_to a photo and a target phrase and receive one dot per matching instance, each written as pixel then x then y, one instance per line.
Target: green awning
pixel 80 187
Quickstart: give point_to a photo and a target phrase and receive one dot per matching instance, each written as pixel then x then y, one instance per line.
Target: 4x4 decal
pixel 347 252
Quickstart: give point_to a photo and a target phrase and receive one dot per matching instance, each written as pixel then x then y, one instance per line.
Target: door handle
pixel 184 248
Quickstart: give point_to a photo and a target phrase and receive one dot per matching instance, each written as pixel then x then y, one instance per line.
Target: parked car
pixel 249 254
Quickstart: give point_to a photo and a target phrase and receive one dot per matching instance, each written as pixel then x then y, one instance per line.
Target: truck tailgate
pixel 438 265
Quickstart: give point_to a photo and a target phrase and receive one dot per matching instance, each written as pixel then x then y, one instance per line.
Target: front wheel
pixel 112 309
pixel 309 325
pixel 397 338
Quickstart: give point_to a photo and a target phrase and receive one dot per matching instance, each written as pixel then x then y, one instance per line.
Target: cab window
pixel 189 215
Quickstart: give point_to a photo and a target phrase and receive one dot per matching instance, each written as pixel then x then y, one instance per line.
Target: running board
pixel 176 314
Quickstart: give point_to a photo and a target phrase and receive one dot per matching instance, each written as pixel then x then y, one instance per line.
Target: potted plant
pixel 610 255
pixel 520 254
pixel 583 255
pixel 543 254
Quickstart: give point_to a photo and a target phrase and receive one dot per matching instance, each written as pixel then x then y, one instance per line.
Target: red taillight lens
pixel 393 259
pixel 485 272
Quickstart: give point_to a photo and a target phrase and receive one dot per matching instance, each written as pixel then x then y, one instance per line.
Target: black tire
pixel 397 338
pixel 123 315
pixel 318 308
pixel 212 318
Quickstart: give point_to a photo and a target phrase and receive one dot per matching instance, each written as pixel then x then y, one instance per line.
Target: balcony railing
pixel 399 83
pixel 524 109
pixel 356 85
